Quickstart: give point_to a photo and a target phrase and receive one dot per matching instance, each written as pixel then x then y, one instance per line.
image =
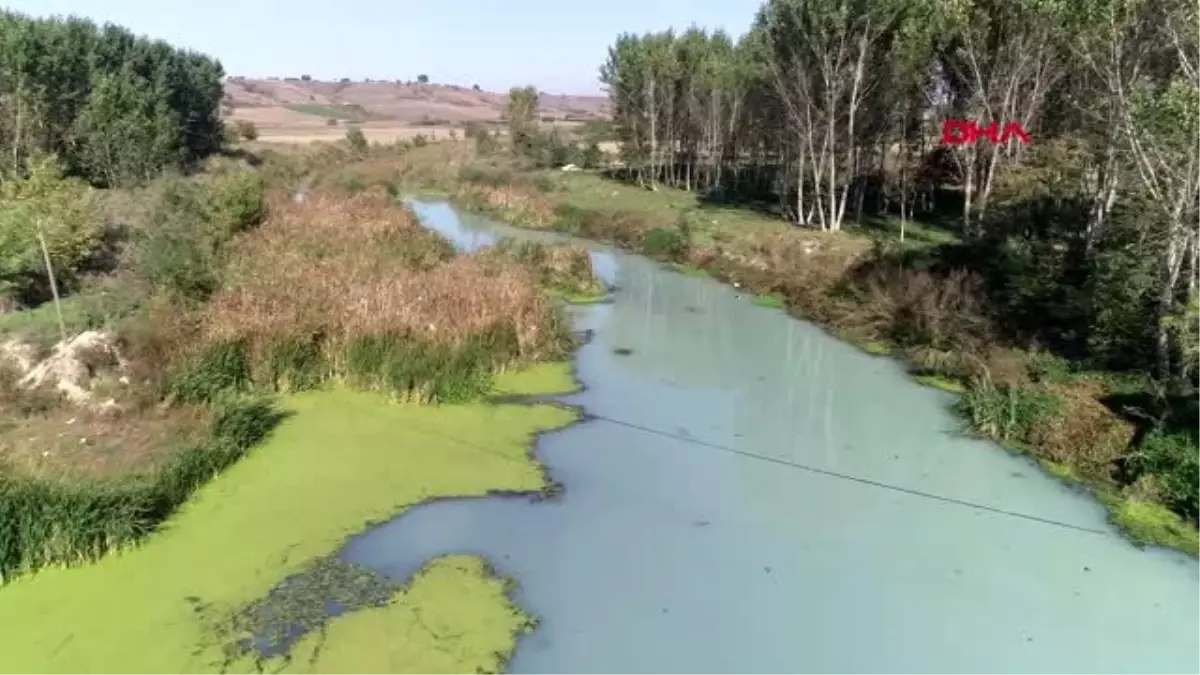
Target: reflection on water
pixel 756 496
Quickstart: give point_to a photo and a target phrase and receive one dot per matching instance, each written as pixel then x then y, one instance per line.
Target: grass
pixel 1149 523
pixel 563 271
pixel 771 300
pixel 941 382
pixel 342 460
pixel 93 308
pixel 351 113
pixel 573 298
pixel 589 191
pixel 46 522
pixel 688 270
pixel 71 444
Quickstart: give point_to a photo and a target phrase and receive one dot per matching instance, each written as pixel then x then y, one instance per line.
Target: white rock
pixel 19 354
pixel 67 370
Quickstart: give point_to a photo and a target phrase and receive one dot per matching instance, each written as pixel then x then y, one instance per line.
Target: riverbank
pixel 1081 425
pixel 135 477
pixel 342 460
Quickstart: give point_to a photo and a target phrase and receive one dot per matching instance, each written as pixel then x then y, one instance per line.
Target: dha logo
pixel 962 132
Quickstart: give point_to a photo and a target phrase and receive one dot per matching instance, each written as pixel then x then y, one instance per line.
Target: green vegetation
pixel 227 303
pixel 357 141
pixel 287 504
pixel 770 300
pixel 344 112
pixel 45 207
pixel 455 617
pixel 541 148
pixel 564 271
pixel 115 107
pixel 45 523
pixel 217 299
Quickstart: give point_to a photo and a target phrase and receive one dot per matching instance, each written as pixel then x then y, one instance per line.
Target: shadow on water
pixel 747 494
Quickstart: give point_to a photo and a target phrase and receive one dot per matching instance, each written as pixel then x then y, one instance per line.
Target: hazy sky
pixel 557 45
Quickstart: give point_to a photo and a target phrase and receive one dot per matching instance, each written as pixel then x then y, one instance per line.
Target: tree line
pixel 114 107
pixel 832 111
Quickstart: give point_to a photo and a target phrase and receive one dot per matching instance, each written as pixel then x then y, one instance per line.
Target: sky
pixel 556 45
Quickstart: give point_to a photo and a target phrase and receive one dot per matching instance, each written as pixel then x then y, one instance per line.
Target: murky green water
pixel 755 496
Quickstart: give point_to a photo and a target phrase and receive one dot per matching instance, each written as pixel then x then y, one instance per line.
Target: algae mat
pixel 341 461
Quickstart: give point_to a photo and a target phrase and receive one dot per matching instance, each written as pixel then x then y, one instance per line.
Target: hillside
pixel 293 109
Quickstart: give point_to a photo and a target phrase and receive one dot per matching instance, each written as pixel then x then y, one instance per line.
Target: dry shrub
pixel 916 308
pixel 333 271
pixel 153 344
pixel 514 204
pixel 624 228
pixel 801 266
pixel 558 268
pixel 1088 435
pixel 948 363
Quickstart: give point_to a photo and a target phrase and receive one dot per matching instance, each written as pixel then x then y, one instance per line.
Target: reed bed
pixel 353 288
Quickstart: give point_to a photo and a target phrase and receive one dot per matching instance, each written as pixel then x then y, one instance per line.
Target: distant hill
pixel 298 102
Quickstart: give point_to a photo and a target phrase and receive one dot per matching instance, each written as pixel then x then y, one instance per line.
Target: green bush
pixel 431 372
pixel 295 364
pixel 357 141
pixel 181 251
pixel 1175 460
pixel 175 255
pixel 237 202
pixel 1005 412
pixel 246 129
pixel 592 156
pixel 666 243
pixel 62 209
pixel 221 369
pixel 485 143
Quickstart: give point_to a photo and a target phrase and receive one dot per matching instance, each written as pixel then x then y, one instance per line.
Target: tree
pixel 306 78
pixel 115 108
pixel 423 79
pixel 475 87
pixel 522 115
pixel 1001 64
pixel 246 129
pixel 49 225
pixel 357 141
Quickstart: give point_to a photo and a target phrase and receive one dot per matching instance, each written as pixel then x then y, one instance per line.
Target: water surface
pixel 756 496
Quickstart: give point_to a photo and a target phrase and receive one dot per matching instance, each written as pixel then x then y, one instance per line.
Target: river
pixel 749 494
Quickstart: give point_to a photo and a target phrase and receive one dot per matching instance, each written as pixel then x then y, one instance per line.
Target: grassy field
pixel 354 113
pixel 341 460
pixel 588 190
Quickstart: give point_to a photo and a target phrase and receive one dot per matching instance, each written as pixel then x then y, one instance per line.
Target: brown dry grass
pixel 76 444
pixel 347 267
pixel 411 103
pixel 1088 436
pixel 374 133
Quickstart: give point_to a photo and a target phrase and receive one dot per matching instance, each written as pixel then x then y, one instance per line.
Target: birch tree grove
pixel 830 113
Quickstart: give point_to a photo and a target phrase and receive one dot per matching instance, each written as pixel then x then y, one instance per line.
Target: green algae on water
pixel 770 301
pixel 342 461
pixel 454 617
